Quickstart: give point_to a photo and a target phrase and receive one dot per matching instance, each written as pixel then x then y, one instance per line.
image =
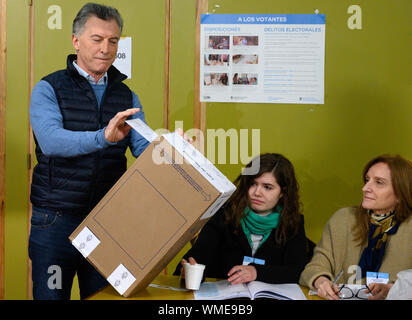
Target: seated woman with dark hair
pixel 376 236
pixel 259 233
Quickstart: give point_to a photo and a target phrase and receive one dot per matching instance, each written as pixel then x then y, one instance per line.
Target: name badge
pixel 259 261
pixel 248 260
pixel 377 277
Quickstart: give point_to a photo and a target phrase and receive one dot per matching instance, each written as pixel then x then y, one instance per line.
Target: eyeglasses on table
pixel 346 292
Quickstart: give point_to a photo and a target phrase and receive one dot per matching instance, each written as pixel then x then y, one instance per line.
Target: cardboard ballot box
pixel 155 208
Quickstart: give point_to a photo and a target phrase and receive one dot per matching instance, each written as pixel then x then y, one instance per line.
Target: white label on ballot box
pixel 121 279
pixel 86 242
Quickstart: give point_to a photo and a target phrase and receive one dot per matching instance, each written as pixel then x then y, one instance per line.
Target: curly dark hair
pixel 283 171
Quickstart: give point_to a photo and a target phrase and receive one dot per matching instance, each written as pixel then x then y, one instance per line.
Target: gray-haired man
pixel 77 115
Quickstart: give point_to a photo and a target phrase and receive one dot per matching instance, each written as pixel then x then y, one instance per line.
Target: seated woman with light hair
pixel 376 236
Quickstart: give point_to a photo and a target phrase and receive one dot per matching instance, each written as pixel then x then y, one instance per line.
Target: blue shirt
pixel 55 141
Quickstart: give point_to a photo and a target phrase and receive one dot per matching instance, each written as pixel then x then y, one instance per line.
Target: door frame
pixel 3 92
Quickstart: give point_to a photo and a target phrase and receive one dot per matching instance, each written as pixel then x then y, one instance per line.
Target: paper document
pixel 262 58
pixel 222 290
pixel 160 286
pixel 144 130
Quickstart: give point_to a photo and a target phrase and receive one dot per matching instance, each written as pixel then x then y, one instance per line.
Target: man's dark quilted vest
pixel 77 184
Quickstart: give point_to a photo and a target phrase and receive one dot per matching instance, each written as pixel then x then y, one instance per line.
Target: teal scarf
pixel 253 223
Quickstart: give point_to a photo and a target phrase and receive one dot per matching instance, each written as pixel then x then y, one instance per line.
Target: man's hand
pixel 117 129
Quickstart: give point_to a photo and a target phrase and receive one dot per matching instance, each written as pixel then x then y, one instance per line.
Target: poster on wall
pixel 262 58
pixel 123 61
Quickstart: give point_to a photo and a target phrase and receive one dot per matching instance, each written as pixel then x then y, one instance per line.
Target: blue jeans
pixel 55 261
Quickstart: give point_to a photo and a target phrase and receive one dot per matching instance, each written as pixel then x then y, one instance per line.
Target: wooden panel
pixel 168 16
pixel 3 27
pixel 30 147
pixel 199 112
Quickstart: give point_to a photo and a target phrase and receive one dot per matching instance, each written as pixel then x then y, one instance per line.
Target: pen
pixel 337 278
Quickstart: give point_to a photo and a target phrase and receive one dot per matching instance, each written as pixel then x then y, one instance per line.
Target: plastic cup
pixel 193 275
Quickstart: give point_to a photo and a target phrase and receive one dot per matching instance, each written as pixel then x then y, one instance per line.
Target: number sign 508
pixel 121 55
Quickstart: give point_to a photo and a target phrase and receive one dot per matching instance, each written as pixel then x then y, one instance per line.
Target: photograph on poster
pixel 239 59
pixel 216 79
pixel 245 41
pixel 245 79
pixel 218 42
pixel 220 60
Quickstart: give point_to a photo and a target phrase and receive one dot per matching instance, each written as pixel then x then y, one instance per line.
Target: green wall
pixel 16 202
pixel 367 109
pixel 368 98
